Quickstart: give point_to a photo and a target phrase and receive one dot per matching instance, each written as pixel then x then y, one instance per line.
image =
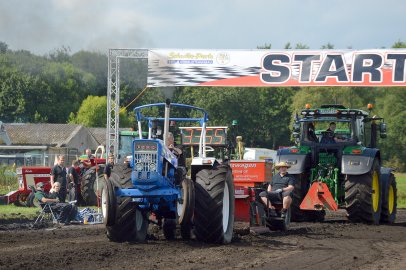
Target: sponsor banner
pixel 276 68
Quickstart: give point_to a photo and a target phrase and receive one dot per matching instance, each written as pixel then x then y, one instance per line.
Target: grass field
pixel 401 184
pixel 13 212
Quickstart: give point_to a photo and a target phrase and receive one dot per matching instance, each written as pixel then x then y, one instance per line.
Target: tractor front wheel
pixel 108 203
pixel 21 200
pixel 214 206
pixel 363 196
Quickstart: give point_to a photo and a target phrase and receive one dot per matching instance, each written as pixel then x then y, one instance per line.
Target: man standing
pixel 284 183
pixel 109 166
pixel 74 181
pixel 58 174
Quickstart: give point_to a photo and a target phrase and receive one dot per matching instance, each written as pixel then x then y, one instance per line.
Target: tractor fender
pixel 359 164
pixel 298 162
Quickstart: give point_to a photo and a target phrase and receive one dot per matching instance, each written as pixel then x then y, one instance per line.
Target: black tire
pixel 363 196
pixel 130 223
pixel 186 208
pixel 214 206
pixel 279 224
pixel 108 203
pixel 299 193
pixel 186 231
pixel 169 228
pixel 31 201
pixel 389 201
pixel 21 200
pixel 89 185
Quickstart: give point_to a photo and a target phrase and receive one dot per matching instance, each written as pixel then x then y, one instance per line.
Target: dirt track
pixel 334 244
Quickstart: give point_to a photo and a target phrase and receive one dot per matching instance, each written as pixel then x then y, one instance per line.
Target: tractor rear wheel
pixel 214 206
pixel 389 201
pixel 363 196
pixel 89 185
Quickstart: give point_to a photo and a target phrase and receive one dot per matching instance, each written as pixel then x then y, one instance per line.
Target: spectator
pixel 58 174
pixel 54 192
pixel 63 210
pixel 74 181
pixel 90 162
pixel 109 166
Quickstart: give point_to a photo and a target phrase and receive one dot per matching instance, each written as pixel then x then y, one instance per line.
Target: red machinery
pixel 249 174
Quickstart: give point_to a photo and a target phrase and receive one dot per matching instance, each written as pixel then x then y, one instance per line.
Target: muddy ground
pixel 333 244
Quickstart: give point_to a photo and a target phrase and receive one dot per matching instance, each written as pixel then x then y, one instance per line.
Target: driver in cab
pixel 331 131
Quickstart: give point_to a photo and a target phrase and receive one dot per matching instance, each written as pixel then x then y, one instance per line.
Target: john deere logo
pixel 223 58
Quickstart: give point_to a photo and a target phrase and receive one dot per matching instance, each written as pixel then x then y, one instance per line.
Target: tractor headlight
pixel 152 167
pixel 139 166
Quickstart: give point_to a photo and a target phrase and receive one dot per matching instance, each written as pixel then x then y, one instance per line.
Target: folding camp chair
pixel 46 214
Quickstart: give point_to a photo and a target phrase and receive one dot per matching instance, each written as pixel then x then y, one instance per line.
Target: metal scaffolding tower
pixel 113 94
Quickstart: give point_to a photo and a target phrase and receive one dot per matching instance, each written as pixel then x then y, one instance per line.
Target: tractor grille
pixel 145 162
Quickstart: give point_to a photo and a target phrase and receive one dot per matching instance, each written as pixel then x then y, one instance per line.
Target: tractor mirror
pixel 382 130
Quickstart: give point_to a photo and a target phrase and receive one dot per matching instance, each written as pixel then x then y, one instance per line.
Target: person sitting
pixel 329 135
pixel 66 212
pixel 284 183
pixel 170 143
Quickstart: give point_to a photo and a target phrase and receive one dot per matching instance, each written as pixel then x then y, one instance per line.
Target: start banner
pixel 274 68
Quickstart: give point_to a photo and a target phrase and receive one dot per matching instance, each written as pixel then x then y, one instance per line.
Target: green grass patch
pixel 8 188
pixel 401 185
pixel 15 212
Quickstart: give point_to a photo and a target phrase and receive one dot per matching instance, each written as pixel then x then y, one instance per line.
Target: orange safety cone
pixel 318 198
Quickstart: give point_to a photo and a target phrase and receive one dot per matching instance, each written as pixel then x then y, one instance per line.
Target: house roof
pixel 56 135
pixel 99 134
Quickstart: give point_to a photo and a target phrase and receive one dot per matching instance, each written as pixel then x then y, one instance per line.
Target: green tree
pixel 93 113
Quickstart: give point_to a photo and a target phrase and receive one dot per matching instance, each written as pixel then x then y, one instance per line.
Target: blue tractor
pixel 154 183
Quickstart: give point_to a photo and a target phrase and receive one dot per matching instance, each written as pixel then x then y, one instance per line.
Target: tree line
pixel 61 87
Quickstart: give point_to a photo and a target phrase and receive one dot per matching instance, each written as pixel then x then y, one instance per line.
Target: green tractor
pixel 336 164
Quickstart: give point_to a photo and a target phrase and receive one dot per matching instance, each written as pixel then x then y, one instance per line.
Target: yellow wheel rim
pixel 391 199
pixel 375 191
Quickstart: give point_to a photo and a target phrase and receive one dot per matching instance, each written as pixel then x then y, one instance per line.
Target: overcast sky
pixel 41 26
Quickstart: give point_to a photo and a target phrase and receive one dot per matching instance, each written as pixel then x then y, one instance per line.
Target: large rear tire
pixel 214 206
pixel 363 196
pixel 389 201
pixel 89 185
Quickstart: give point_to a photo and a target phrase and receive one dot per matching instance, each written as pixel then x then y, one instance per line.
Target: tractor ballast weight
pixel 340 168
pixel 153 187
